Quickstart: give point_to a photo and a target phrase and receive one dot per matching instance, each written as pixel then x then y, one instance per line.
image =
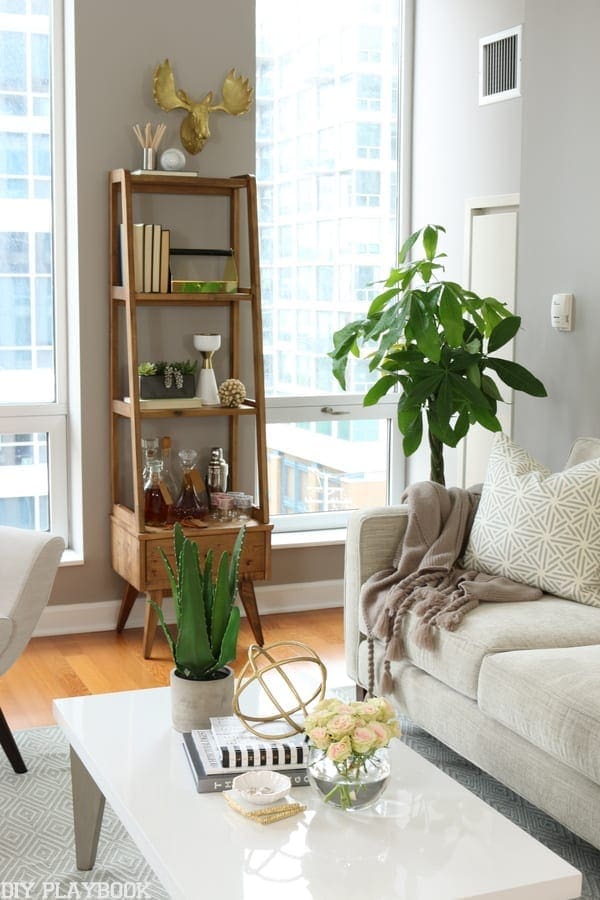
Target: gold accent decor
pixel 261 661
pixel 269 814
pixel 194 132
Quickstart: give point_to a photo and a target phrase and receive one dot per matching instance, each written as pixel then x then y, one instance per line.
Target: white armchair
pixel 28 565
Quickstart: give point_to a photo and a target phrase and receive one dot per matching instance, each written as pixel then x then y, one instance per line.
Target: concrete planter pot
pixel 194 702
pixel 152 387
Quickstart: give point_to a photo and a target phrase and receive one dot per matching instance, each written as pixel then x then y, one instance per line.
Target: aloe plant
pixel 208 620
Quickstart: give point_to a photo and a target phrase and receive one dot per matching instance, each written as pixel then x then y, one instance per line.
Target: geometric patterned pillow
pixel 539 528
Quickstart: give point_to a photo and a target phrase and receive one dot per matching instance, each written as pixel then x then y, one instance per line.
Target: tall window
pixel 32 402
pixel 327 122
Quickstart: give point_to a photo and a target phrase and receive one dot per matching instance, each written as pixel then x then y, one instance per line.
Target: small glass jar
pixel 225 507
pixel 243 507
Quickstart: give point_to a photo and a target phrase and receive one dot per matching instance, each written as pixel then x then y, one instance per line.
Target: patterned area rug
pixel 36 829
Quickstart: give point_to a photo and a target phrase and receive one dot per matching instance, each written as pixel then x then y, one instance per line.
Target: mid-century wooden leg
pixel 130 595
pixel 88 807
pixel 8 744
pixel 151 622
pixel 248 598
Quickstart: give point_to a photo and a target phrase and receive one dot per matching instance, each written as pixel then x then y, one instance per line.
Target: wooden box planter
pixel 152 387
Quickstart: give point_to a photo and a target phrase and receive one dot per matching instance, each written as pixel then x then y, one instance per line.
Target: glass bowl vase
pixel 353 784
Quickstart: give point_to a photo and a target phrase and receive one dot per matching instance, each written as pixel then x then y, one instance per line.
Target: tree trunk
pixel 436 451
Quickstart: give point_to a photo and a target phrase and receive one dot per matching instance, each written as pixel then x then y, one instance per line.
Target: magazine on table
pixel 239 748
pixel 222 779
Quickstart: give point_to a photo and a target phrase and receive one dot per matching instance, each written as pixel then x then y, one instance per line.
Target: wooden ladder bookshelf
pixel 135 546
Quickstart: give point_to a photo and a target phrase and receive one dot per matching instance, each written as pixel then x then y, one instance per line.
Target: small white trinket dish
pixel 261 788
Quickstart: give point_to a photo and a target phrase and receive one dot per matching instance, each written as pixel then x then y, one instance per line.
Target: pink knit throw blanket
pixel 426 576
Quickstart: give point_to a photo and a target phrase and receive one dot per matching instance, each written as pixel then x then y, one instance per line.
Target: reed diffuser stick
pixel 146 139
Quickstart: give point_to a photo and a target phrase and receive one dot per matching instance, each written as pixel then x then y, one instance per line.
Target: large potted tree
pixel 208 622
pixel 433 340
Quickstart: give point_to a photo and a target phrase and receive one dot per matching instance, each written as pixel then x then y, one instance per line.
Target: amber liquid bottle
pixel 156 507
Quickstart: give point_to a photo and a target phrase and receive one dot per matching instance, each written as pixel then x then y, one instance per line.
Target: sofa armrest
pixel 372 540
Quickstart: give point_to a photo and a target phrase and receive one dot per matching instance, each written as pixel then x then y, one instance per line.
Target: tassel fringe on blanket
pixel 427 578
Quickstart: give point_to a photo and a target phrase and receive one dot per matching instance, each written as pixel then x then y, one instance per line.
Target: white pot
pixel 194 702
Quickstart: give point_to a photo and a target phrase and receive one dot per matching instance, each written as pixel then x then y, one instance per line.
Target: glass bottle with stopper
pixel 192 502
pixel 157 499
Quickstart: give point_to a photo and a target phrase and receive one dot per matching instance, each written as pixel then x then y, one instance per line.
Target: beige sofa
pixel 515 689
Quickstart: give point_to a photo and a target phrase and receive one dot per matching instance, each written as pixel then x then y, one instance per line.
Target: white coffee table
pixel 427 839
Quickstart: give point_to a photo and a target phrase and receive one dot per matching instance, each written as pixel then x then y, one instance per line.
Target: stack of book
pixel 151 257
pixel 219 753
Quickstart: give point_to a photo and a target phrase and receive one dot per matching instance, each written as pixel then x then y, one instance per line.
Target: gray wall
pixel 560 195
pixel 117 46
pixel 544 146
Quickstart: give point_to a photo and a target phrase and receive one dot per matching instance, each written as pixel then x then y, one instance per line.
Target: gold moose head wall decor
pixel 194 132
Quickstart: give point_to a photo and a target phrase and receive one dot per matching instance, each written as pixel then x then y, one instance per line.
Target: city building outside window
pixel 327 170
pixel 33 481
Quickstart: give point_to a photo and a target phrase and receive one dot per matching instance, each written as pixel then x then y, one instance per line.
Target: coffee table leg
pixel 88 806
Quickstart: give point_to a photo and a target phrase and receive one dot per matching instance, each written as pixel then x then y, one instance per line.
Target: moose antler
pixel 237 95
pixel 194 131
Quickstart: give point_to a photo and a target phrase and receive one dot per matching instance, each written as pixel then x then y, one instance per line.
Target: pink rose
pixel 319 737
pixel 340 724
pixel 364 739
pixel 340 750
pixel 381 734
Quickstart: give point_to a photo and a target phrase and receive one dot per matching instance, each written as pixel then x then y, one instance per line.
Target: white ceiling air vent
pixel 500 66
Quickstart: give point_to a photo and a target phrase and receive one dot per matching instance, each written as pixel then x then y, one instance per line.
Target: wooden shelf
pixel 121 408
pixel 181 298
pixel 136 550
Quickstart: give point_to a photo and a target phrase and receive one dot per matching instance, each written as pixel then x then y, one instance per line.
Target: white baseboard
pixel 78 618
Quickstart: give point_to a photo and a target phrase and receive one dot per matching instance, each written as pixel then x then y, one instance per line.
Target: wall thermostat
pixel 562 312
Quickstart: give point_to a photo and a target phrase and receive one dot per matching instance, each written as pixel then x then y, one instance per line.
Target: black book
pixel 206 784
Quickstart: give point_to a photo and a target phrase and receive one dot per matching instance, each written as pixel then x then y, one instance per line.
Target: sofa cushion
pixel 457 656
pixel 536 527
pixel 549 697
pixel 583 449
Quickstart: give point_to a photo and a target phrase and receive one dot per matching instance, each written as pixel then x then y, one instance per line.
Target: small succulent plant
pixel 172 372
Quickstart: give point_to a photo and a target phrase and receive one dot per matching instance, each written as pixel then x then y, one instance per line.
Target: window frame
pixel 52 417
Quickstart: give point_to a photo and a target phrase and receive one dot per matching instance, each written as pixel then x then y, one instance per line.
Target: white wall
pixel 460 149
pixel 558 247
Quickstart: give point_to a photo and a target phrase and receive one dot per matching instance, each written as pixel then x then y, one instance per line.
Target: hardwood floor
pixel 100 662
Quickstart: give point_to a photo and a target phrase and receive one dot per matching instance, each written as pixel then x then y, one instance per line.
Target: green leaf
pixel 424 330
pixel 381 387
pixel 408 245
pixel 412 436
pixel 451 317
pixel 381 300
pixel 478 402
pixel 423 389
pixel 222 604
pixel 517 376
pixel 229 642
pixel 192 646
pixel 489 387
pixel 430 240
pixel 338 370
pixel 236 553
pixel 161 621
pixel 504 332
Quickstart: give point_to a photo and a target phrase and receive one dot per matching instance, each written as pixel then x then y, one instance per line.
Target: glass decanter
pixel 150 451
pixel 192 502
pixel 156 496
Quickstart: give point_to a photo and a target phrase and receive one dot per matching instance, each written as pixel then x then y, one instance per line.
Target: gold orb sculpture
pixel 283 692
